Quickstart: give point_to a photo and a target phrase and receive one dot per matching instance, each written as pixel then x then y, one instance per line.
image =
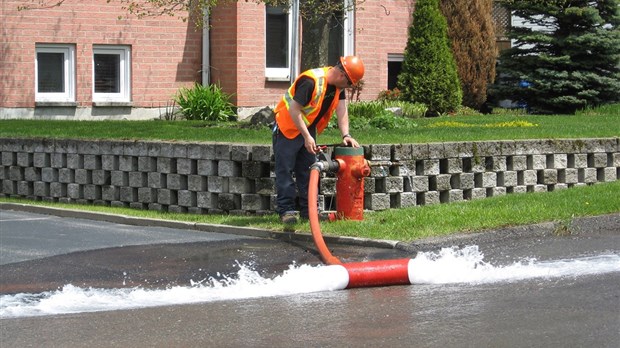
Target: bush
pixel 205 103
pixel 429 73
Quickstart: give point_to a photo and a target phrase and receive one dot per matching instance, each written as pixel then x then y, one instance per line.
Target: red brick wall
pixel 165 52
pixel 381 28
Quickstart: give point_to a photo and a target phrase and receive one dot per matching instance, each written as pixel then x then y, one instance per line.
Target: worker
pixel 302 114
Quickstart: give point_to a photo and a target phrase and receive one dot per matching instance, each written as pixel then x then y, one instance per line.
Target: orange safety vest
pixel 308 112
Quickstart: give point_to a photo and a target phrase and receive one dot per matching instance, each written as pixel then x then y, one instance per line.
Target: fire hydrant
pixel 350 182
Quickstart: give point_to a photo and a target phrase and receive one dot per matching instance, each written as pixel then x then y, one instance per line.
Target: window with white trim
pixel 280 38
pixel 278 43
pixel 111 73
pixel 55 73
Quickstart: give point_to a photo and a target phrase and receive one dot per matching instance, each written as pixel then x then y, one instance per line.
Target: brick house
pixel 84 60
pixel 87 60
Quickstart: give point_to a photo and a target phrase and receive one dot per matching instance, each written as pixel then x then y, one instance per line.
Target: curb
pixel 203 227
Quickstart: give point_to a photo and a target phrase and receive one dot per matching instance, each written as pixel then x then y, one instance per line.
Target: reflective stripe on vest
pixel 310 111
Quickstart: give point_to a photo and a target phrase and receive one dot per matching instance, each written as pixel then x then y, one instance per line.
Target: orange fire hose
pixel 313 216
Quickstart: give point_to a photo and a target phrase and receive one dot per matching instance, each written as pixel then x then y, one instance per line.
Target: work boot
pixel 289 218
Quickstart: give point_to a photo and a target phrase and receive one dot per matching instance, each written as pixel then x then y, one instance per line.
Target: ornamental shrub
pixel 429 74
pixel 205 103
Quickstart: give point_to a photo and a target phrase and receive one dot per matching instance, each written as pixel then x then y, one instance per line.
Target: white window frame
pixel 283 74
pixel 68 52
pixel 124 95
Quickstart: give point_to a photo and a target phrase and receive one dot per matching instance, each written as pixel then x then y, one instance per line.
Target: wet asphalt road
pixel 561 312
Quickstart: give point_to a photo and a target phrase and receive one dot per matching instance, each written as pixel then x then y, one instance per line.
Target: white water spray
pixel 449 266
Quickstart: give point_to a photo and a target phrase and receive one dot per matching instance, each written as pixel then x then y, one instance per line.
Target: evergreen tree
pixel 428 73
pixel 567 59
pixel 472 35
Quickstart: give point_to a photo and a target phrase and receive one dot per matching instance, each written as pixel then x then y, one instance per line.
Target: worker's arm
pixel 343 124
pixel 295 112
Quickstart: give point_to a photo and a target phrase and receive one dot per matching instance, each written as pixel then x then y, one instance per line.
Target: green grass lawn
pixel 507 126
pixel 422 221
pixel 398 224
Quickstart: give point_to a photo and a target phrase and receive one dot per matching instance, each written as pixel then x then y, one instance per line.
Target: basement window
pixel 111 74
pixel 55 73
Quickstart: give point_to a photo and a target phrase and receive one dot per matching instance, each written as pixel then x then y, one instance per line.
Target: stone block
pixel 147 195
pixel 369 185
pixel 394 184
pixel 253 202
pixel 262 153
pixel 240 185
pixel 110 193
pixel 455 195
pixel 49 174
pixel 186 166
pixel 489 179
pixel 75 191
pixel 16 173
pixel 241 153
pixel 109 162
pixel 217 184
pixel 478 193
pixel 156 180
pixel 597 160
pixel 401 152
pixel 420 183
pixel 206 200
pixel 530 177
pixel 254 169
pixel 176 182
pixel 228 169
pixel 147 164
pixel 101 177
pixel 75 161
pixel 228 201
pixel 32 174
pixel 404 199
pixel 537 162
pixel 138 179
pixel 9 187
pixel 25 188
pixel 166 197
pixel 186 198
pixel 508 178
pixel 196 183
pixel 378 152
pixel 201 151
pixel 428 198
pixel 265 186
pixel 519 189
pixel 40 159
pixel 517 163
pixel 166 165
pixel 463 181
pixel 207 167
pixel 24 159
pixel 579 160
pixel 560 161
pixel 540 188
pixel 41 189
pixel 610 174
pixel 431 167
pixel 377 201
pixel 118 178
pixel 590 175
pixel 222 151
pixel 132 194
pixel 548 176
pixel 92 192
pixel 65 175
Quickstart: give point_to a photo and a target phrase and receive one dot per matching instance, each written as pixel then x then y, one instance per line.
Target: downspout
pixel 295 40
pixel 206 71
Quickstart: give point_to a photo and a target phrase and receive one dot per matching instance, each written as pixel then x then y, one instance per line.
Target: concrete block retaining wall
pixel 233 178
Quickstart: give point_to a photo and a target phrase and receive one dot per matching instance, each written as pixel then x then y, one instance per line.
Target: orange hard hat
pixel 353 67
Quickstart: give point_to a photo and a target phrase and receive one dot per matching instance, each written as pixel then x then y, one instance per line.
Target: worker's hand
pixel 310 145
pixel 349 141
